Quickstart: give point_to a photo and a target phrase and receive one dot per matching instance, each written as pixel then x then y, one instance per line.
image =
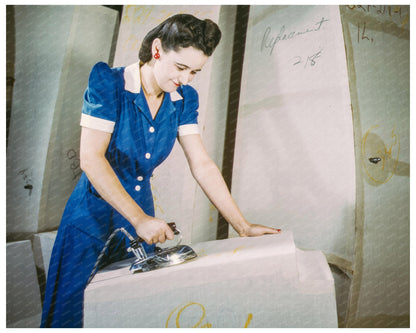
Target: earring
pixel 157 55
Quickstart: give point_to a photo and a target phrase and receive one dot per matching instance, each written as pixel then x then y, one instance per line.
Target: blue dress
pixel 113 103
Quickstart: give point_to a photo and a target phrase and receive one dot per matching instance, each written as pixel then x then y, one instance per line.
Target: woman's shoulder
pixel 101 68
pixel 102 71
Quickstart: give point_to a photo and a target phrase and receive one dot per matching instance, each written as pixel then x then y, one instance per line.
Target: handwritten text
pixel 24 173
pixel 270 42
pixel 75 165
pixel 309 60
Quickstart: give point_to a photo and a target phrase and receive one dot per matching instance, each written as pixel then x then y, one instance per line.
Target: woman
pixel 130 120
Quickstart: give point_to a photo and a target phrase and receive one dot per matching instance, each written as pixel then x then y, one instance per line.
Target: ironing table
pixel 263 282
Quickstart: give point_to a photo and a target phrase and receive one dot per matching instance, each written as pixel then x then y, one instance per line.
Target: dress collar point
pixel 132 81
pixel 175 96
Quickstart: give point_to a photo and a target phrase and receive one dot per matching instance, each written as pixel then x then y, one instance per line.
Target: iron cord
pixel 107 243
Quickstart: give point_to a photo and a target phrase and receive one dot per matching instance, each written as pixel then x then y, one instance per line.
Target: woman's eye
pixel 180 68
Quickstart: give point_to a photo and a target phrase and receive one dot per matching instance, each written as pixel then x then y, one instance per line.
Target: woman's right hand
pixel 154 230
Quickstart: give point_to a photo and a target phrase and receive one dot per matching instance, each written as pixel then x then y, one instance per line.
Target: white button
pixel 151 129
pixel 137 188
pixel 140 178
pixel 147 155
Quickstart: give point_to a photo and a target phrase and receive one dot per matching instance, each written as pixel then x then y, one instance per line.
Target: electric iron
pixel 161 257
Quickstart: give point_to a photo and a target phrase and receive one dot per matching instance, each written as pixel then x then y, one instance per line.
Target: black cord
pixel 107 243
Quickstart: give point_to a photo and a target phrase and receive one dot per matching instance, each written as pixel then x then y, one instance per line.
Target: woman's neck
pixel 148 82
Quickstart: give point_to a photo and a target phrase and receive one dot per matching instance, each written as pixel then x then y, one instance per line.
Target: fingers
pixel 258 230
pixel 155 238
pixel 164 233
pixel 155 231
pixel 148 241
pixel 275 231
pixel 169 233
pixel 162 238
pixel 270 231
pixel 159 235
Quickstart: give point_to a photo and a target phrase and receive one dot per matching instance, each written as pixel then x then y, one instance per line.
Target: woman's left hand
pixel 257 230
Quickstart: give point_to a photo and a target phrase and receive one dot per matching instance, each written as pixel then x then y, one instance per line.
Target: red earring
pixel 157 55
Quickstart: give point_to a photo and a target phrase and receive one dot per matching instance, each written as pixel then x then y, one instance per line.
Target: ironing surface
pixel 207 291
pixel 218 252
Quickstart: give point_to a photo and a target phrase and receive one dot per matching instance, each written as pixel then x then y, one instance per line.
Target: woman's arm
pixel 209 177
pixel 94 144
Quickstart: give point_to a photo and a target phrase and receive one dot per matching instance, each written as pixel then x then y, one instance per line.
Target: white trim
pixel 188 129
pixel 97 123
pixel 175 96
pixel 132 78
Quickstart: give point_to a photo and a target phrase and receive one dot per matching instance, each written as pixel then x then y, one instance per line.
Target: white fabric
pixel 188 129
pixel 132 81
pixel 240 282
pixel 294 162
pixel 97 123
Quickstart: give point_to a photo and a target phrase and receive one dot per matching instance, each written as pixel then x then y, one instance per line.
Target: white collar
pixel 132 81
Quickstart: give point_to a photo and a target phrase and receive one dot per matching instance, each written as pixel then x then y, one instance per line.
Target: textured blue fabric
pixel 88 220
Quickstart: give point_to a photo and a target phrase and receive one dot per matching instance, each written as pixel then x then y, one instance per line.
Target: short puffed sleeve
pixel 99 110
pixel 188 121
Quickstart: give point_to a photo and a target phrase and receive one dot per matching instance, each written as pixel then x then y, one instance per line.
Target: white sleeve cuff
pixel 188 129
pixel 97 123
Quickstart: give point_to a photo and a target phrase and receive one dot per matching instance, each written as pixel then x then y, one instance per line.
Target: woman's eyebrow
pixel 186 66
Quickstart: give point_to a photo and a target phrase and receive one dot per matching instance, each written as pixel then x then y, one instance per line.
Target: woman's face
pixel 173 68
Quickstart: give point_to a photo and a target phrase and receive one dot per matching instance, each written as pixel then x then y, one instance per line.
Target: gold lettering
pixel 249 318
pixel 180 313
pixel 196 306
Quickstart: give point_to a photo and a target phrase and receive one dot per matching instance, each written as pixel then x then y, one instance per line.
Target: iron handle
pixel 172 225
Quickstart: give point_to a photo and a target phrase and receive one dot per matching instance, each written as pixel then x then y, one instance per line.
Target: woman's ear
pixel 156 46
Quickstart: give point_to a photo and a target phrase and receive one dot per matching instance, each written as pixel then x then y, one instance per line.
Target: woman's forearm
pixel 107 184
pixel 212 183
pixel 94 144
pixel 209 177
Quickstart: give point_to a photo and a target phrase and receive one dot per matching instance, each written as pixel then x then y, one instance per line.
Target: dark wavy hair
pixel 180 31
